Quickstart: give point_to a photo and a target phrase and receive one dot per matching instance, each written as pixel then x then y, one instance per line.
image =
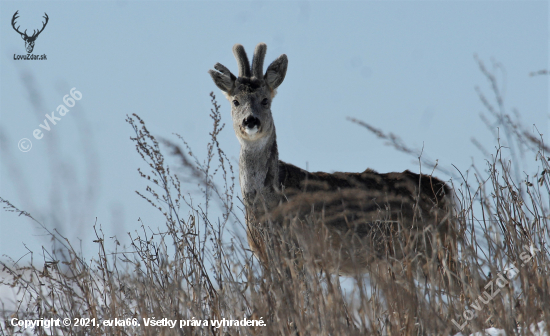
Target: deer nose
pixel 251 121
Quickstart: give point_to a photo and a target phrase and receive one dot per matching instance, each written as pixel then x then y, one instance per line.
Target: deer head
pixel 251 93
pixel 29 40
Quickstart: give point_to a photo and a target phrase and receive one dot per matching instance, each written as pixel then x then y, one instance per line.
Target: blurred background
pixel 406 67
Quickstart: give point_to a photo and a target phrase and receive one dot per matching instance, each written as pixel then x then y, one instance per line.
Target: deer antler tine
pixel 14 18
pixel 258 60
pixel 242 60
pixel 43 25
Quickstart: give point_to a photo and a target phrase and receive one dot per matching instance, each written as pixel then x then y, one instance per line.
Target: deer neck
pixel 259 173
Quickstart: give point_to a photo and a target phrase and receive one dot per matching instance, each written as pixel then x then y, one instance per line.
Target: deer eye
pixel 236 103
pixel 265 101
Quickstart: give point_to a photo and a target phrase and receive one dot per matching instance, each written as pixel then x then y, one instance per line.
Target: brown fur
pixel 366 216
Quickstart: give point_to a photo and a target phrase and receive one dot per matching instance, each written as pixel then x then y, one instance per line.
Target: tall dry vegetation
pixel 194 268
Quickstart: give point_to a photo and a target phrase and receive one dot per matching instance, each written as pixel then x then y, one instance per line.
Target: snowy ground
pixel 536 330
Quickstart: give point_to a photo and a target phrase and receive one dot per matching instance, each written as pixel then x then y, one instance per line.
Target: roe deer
pixel 364 216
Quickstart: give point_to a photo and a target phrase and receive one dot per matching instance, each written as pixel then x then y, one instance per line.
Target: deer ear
pixel 276 72
pixel 223 78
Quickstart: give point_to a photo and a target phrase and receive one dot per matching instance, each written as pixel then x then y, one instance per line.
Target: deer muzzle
pixel 251 122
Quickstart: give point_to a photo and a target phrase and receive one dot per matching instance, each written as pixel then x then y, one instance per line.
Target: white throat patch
pixel 252 132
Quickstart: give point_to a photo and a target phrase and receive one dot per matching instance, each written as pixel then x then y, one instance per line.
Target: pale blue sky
pixel 405 67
